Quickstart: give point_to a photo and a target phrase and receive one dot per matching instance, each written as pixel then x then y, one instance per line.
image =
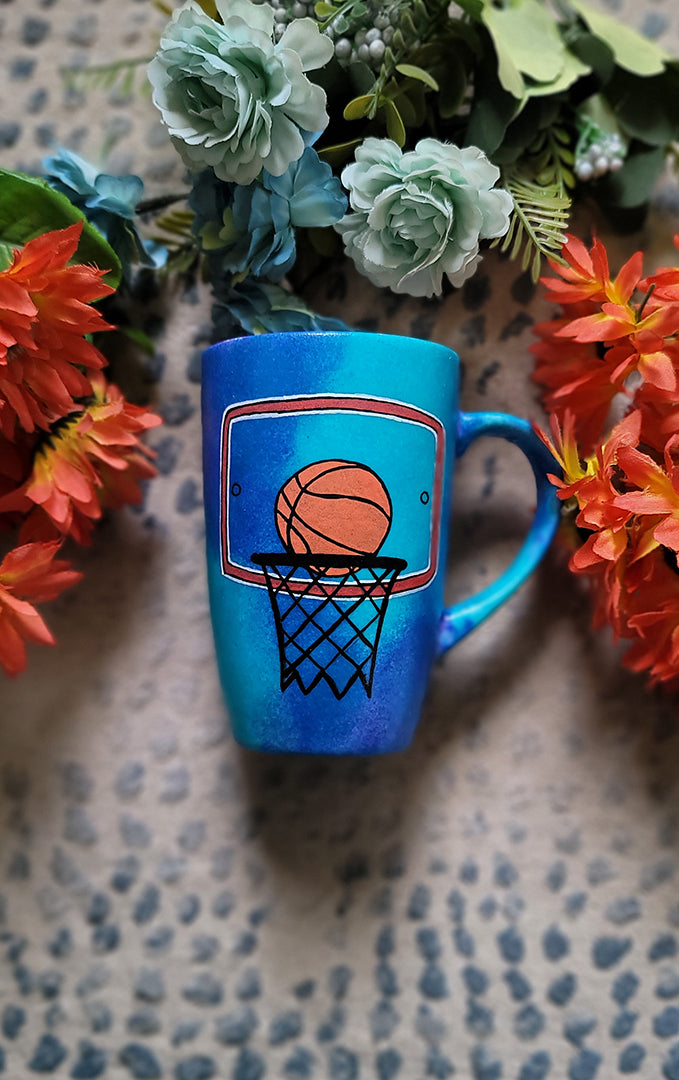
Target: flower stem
pixel 647 297
pixel 159 202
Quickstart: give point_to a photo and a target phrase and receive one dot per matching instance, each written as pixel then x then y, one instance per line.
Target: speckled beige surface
pixel 501 898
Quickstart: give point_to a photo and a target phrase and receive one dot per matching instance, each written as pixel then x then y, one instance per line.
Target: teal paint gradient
pixel 417 373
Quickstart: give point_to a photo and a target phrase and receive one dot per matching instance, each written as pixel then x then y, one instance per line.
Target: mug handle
pixel 457 621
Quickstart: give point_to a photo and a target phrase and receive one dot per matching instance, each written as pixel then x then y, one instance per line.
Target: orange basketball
pixel 333 508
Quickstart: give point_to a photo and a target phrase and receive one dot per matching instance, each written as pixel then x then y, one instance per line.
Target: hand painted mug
pixel 328 471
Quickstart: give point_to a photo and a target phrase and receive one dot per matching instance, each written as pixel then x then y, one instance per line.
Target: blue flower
pixel 256 234
pixel 108 202
pixel 419 216
pixel 232 95
pixel 261 308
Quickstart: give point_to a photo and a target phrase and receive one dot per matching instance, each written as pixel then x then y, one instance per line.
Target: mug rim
pixel 207 356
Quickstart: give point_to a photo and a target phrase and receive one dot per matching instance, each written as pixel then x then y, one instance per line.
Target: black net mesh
pixel 323 634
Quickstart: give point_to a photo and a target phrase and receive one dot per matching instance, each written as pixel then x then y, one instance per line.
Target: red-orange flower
pixel 655 503
pixel 94 460
pixel 29 573
pixel 654 620
pixel 45 311
pixel 626 483
pixel 586 275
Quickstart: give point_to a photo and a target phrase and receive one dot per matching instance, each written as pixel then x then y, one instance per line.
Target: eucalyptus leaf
pixel 526 33
pixel 395 128
pixel 361 76
pixel 30 207
pixel 631 51
pixel 359 107
pixel 412 71
pixel 412 104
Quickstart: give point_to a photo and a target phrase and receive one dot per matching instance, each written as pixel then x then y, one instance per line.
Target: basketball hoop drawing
pixel 322 637
pixel 329 591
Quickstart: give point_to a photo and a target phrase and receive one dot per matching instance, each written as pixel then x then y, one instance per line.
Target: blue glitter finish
pixel 277 403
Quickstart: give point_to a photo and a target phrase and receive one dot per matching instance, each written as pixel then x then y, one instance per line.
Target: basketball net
pixel 322 635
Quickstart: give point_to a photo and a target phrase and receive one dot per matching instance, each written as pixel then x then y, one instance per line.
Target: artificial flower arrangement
pixel 400 133
pixel 69 440
pixel 615 344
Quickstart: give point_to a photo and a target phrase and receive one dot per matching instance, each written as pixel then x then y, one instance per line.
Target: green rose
pixel 420 215
pixel 231 98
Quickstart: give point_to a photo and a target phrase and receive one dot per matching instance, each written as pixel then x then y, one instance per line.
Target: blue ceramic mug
pixel 328 466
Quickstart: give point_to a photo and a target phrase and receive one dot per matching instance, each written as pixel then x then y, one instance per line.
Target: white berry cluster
pixel 285 12
pixel 595 158
pixel 367 43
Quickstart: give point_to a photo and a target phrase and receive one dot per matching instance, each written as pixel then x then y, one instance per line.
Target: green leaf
pixel 452 91
pixel 647 109
pixel 210 8
pixel 490 116
pixel 598 110
pixel 631 51
pixel 473 7
pixel 395 128
pixel 30 207
pixel 509 75
pixel 412 71
pixel 633 184
pixel 139 338
pixel 340 153
pixel 527 42
pixel 573 69
pixel 539 114
pixel 359 107
pixel 6 255
pixel 325 241
pixel 595 53
pixel 324 11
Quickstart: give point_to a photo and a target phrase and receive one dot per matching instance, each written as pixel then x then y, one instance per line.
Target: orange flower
pixel 29 573
pixel 665 282
pixel 656 502
pixel 660 416
pixel 94 460
pixel 578 381
pixel 564 449
pixel 45 309
pixel 654 619
pixel 587 276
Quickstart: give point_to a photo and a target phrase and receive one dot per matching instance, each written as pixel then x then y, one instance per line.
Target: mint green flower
pixel 231 98
pixel 420 215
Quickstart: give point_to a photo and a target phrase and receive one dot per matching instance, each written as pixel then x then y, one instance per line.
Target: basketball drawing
pixel 333 508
